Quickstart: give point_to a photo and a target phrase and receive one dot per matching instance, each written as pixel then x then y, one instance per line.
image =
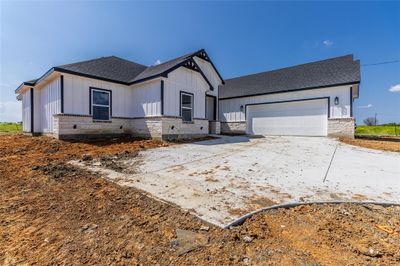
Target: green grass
pixel 10 127
pixel 387 130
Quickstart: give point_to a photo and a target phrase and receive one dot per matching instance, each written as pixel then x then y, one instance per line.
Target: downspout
pixel 32 110
pixel 62 93
pixel 351 101
pixel 162 97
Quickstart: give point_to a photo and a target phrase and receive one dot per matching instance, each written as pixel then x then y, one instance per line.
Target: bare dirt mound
pixel 376 143
pixel 53 213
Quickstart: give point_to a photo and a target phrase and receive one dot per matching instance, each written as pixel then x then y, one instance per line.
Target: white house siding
pixel 77 93
pixel 183 79
pixel 146 99
pixel 48 100
pixel 230 108
pixel 26 111
pixel 210 73
pixel 127 101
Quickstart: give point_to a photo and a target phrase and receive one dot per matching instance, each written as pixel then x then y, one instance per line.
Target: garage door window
pixel 101 105
pixel 187 106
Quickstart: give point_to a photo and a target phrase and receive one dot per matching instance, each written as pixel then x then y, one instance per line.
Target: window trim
pixel 91 103
pixel 181 93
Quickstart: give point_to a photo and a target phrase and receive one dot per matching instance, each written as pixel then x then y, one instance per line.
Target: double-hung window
pixel 101 104
pixel 187 106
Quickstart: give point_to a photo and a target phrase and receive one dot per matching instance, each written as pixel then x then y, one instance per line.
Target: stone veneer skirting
pixel 160 127
pixel 341 127
pixel 233 127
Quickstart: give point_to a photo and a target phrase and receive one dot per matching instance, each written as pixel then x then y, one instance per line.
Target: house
pixel 187 97
pixel 111 96
pixel 314 99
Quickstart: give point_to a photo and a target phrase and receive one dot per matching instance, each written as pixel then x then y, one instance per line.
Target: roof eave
pixel 62 70
pixel 166 72
pixel 287 91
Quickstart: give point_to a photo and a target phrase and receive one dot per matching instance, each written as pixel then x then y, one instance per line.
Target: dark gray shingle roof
pixel 111 68
pixel 161 68
pixel 119 70
pixel 30 82
pixel 330 72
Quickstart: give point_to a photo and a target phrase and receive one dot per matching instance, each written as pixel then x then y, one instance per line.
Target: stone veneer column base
pixel 233 127
pixel 214 127
pixel 341 127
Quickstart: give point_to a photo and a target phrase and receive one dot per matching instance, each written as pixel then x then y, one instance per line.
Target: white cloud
pixel 10 111
pixel 395 88
pixel 365 106
pixel 328 43
pixel 157 62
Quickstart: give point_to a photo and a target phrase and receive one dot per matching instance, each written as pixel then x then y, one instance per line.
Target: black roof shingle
pixel 115 69
pixel 111 67
pixel 325 73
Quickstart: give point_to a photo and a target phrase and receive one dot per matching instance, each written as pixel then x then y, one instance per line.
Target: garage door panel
pixel 303 118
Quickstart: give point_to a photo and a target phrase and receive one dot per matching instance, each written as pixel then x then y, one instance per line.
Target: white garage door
pixel 298 118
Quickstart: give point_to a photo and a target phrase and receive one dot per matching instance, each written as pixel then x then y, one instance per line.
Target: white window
pixel 187 106
pixel 101 107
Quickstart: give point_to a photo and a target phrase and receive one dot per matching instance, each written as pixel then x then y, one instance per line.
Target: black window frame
pixel 91 103
pixel 181 93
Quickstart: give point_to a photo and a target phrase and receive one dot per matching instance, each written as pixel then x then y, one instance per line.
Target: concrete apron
pixel 221 180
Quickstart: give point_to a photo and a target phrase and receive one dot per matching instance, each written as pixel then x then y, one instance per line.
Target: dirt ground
pixel 52 213
pixel 377 143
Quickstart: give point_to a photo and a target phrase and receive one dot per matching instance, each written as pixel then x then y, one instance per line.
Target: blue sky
pixel 240 37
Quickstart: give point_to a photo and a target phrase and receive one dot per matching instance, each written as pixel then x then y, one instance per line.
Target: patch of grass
pixel 12 128
pixel 386 130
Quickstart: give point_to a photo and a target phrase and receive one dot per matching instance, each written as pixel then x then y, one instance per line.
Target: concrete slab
pixel 220 180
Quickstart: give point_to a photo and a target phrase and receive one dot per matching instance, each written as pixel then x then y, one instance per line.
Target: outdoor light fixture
pixel 336 100
pixel 241 108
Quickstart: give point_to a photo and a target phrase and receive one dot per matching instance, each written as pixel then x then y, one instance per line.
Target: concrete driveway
pixel 220 180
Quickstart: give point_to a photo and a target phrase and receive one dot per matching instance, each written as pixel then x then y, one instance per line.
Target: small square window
pixel 101 113
pixel 101 97
pixel 186 115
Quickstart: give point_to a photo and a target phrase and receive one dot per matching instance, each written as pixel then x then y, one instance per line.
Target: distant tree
pixel 370 121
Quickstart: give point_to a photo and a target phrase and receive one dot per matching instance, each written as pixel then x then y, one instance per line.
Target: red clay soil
pixel 376 143
pixel 52 213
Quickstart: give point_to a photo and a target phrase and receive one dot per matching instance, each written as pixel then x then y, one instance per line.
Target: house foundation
pixel 68 126
pixel 233 128
pixel 341 127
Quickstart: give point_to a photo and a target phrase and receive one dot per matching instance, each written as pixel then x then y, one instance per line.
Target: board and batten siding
pixel 26 111
pixel 127 101
pixel 210 73
pixel 48 101
pixel 146 99
pixel 77 93
pixel 183 79
pixel 230 108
